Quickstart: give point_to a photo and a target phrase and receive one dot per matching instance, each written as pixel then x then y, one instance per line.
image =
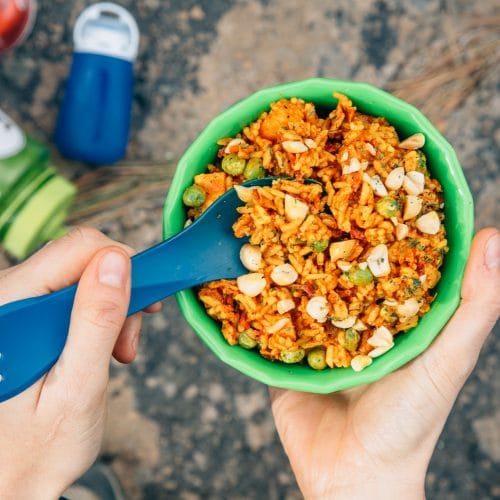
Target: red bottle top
pixel 16 20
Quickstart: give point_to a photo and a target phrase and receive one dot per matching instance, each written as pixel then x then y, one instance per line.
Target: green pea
pixel 316 358
pixel 245 341
pixel 254 169
pixel 351 341
pixel 360 277
pixel 290 357
pixel 388 314
pixel 320 245
pixel 422 162
pixel 194 196
pixel 388 207
pixel 233 165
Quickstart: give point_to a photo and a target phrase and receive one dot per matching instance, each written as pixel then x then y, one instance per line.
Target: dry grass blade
pixel 471 52
pixel 109 193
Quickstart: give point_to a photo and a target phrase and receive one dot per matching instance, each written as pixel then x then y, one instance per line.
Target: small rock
pixel 248 405
pixel 486 430
pixel 19 71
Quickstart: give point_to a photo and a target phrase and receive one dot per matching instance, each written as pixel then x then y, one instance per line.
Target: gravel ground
pixel 182 424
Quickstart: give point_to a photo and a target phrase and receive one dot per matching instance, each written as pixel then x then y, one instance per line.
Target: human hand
pixel 375 441
pixel 51 432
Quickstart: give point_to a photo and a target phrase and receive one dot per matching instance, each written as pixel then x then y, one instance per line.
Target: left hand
pixel 375 441
pixel 51 432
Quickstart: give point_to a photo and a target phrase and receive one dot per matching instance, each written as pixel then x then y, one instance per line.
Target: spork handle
pixel 33 331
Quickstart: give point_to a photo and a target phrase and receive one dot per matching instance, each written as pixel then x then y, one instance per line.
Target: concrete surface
pixel 182 425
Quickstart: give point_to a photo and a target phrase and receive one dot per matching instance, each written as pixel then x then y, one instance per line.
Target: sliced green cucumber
pixel 14 201
pixel 13 169
pixel 30 225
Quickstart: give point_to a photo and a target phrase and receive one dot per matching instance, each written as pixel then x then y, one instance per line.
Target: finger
pixel 275 393
pixel 153 308
pixel 126 346
pixel 128 341
pixel 280 400
pixel 454 354
pixel 97 319
pixel 56 265
pixel 303 405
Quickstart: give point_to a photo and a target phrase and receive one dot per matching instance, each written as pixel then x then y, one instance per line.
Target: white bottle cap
pixel 12 138
pixel 107 29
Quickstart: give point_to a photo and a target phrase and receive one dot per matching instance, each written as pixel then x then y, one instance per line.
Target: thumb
pixel 453 355
pixel 98 315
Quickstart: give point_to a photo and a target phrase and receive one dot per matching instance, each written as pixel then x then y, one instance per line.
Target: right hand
pixel 51 432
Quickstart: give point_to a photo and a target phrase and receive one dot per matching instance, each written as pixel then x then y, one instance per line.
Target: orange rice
pixel 365 246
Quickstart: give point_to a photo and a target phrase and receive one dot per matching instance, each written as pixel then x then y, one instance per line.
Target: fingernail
pixel 492 253
pixel 112 270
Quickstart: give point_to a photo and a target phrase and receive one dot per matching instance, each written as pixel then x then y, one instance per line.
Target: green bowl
pixel 443 164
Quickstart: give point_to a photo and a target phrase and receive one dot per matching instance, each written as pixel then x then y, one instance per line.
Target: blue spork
pixel 33 331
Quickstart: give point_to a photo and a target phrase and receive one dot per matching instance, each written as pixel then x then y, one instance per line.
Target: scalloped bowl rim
pixel 302 378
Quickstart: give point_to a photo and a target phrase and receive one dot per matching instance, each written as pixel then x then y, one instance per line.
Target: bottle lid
pixel 12 138
pixel 108 29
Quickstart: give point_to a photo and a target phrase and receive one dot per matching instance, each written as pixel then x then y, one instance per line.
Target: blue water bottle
pixel 94 119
